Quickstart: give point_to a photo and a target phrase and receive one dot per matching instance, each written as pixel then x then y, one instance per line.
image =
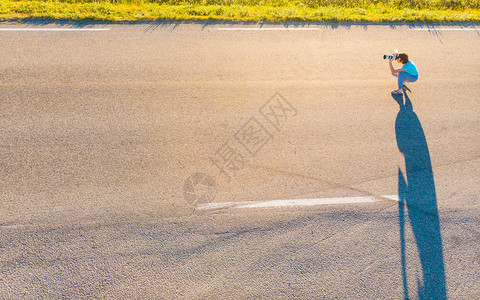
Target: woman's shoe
pixel 397 92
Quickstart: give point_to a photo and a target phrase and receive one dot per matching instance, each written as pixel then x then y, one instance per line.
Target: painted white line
pixel 54 29
pixel 308 202
pixel 392 197
pixel 215 205
pixel 445 29
pixel 294 202
pixel 266 29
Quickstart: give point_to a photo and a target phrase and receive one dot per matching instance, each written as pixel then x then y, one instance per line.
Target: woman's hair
pixel 403 57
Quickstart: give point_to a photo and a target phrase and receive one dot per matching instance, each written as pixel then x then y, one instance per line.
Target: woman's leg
pixel 402 77
pixel 410 78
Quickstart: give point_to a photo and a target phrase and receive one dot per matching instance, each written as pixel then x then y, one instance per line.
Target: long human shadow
pixel 417 193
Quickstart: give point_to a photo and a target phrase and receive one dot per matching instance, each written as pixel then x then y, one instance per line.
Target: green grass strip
pixel 273 11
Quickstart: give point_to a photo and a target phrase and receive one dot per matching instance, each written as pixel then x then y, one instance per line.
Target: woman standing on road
pixel 407 73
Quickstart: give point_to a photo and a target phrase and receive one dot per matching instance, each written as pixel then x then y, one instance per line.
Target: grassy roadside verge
pixel 274 11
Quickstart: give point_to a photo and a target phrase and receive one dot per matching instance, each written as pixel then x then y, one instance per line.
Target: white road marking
pixel 392 197
pixel 54 29
pixel 316 28
pixel 446 29
pixel 265 29
pixel 294 202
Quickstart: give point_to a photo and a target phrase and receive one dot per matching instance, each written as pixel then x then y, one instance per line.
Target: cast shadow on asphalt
pixel 152 25
pixel 417 192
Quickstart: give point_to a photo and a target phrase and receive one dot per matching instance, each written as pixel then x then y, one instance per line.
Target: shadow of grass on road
pixel 173 24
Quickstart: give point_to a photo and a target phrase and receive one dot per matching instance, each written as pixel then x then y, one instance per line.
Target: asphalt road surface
pixel 166 161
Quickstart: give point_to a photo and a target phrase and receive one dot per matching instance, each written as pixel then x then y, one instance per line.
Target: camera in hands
pixel 393 56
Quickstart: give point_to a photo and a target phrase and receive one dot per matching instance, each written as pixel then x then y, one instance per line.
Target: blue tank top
pixel 410 68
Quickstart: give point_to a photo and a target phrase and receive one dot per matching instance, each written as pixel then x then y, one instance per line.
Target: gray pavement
pixel 101 129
